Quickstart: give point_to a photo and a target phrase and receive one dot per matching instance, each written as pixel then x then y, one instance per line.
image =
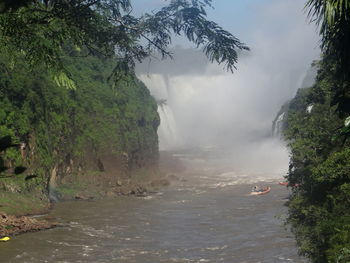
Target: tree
pixel 319 143
pixel 319 171
pixel 41 29
pixel 333 17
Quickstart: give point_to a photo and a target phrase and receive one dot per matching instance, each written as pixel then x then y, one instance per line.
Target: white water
pixel 277 129
pixel 204 112
pixel 167 131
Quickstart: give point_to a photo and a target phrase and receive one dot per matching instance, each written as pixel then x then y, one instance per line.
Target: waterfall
pixel 277 126
pixel 167 132
pixel 309 108
pixel 53 194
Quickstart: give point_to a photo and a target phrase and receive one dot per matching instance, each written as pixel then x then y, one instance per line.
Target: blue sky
pixel 231 14
pixel 235 15
pixel 244 18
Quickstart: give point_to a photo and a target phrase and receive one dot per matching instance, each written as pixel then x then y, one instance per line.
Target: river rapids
pixel 206 215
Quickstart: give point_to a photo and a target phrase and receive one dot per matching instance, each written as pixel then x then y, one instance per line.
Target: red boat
pixel 261 192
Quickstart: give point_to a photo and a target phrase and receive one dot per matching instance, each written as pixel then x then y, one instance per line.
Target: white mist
pixel 209 107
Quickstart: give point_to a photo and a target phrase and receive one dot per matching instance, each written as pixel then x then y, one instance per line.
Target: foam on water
pixel 205 218
pixel 264 161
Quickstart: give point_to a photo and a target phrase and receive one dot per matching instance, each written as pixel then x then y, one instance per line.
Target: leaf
pixel 62 80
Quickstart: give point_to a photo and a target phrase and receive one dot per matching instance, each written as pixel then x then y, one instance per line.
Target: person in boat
pixel 259 188
pixel 256 189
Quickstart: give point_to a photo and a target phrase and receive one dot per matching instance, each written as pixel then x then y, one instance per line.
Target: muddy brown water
pixel 208 216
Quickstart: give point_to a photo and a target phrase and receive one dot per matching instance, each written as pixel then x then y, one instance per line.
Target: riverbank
pixel 16 211
pixel 11 225
pixel 20 218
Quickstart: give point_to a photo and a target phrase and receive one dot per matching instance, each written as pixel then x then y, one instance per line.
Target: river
pixel 205 216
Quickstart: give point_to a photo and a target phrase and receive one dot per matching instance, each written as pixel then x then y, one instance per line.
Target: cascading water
pixel 309 108
pixel 214 112
pixel 167 130
pixel 168 133
pixel 52 185
pixel 277 126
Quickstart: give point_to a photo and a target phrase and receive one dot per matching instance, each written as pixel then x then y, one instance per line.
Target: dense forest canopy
pixel 333 18
pixel 318 131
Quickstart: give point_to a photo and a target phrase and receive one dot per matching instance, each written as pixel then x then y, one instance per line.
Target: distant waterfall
pixel 277 126
pixel 167 131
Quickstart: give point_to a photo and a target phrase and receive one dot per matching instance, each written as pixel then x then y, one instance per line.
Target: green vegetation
pixel 318 131
pixel 334 20
pixel 90 48
pixel 40 28
pixel 319 210
pixel 23 204
pixel 70 131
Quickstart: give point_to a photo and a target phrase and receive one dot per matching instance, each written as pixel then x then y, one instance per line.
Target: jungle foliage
pixel 57 126
pixel 333 18
pixel 318 135
pixel 39 29
pixel 319 210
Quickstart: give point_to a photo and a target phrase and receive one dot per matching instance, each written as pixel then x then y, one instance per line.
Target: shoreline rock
pixel 13 225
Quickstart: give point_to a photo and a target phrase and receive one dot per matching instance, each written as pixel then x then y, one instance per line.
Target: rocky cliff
pixel 97 139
